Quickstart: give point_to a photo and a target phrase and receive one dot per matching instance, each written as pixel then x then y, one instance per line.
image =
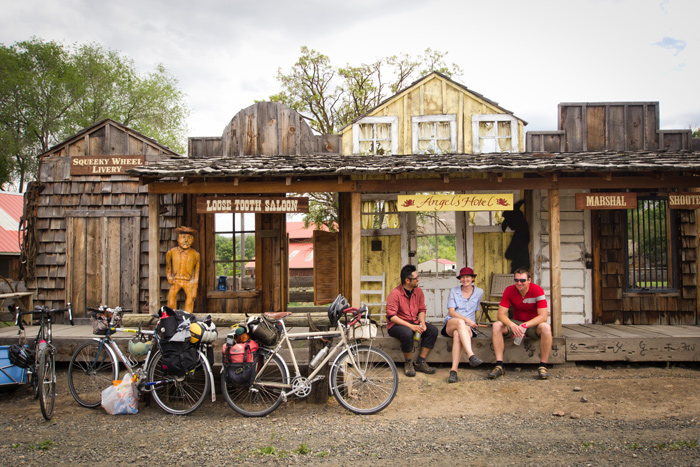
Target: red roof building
pixel 11 206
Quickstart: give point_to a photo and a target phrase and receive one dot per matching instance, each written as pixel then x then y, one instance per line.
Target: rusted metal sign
pixel 104 165
pixel 475 202
pixel 684 200
pixel 606 200
pixel 210 205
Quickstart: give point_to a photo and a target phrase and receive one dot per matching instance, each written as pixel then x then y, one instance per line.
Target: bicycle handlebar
pixel 42 310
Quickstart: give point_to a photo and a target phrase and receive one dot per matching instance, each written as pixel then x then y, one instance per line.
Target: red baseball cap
pixel 466 272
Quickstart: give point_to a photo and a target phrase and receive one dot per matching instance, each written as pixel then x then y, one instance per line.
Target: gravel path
pixel 585 415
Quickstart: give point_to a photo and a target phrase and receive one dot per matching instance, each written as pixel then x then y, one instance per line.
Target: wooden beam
pixel 356 248
pixel 304 186
pixel 153 254
pixel 555 261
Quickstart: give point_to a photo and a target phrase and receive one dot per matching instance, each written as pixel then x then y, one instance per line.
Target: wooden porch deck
pixel 579 343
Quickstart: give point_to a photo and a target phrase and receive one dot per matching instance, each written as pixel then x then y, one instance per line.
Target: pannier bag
pixel 264 330
pixel 178 358
pixel 20 355
pixel 174 325
pixel 100 321
pixel 241 361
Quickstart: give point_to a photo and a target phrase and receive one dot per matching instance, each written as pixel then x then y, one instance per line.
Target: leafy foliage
pixel 333 97
pixel 49 91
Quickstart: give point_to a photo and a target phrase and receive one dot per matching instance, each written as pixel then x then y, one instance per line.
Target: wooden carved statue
pixel 182 268
pixel 518 251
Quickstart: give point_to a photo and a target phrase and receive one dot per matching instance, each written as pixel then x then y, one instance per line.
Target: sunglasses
pixel 522 281
pixel 413 278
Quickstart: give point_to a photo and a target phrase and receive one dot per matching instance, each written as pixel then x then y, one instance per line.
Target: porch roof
pixel 336 164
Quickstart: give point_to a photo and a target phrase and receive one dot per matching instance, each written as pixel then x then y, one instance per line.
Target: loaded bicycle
pixel 362 378
pixel 40 358
pixel 95 365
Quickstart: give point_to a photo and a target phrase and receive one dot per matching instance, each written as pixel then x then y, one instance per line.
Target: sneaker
pixel 453 377
pixel 423 367
pixel 497 371
pixel 408 369
pixel 542 373
pixel 475 361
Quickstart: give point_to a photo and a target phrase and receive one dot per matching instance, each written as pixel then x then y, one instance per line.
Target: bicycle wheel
pixel 47 381
pixel 92 369
pixel 367 387
pixel 179 395
pixel 258 400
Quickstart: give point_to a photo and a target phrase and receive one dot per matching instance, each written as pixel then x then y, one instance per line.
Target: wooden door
pixel 103 260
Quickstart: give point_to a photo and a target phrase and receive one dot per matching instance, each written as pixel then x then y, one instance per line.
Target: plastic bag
pixel 121 397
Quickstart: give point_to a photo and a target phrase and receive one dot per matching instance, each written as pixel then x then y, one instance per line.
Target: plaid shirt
pixel 398 304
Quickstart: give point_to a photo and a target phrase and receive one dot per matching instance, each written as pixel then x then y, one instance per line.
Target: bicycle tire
pixel 371 386
pixel 257 400
pixel 92 369
pixel 47 382
pixel 179 395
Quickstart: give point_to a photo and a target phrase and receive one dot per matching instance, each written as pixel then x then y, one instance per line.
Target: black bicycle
pixel 41 361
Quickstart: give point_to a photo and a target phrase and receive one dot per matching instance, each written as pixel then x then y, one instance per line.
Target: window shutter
pixel 326 270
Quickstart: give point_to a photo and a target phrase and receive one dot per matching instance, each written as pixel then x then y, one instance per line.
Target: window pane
pixel 504 129
pixel 444 145
pixel 366 147
pixel 488 145
pixel 366 131
pixel 383 131
pixel 486 129
pixel 649 263
pixel 425 146
pixel 425 130
pixel 443 130
pixel 504 144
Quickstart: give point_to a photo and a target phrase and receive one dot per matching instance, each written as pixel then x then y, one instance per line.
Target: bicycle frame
pixel 129 363
pixel 313 377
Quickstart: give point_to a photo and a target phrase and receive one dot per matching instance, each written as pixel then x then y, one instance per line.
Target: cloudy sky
pixel 526 55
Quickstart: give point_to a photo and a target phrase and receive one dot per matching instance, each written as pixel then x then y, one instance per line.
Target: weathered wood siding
pixel 92 231
pixel 434 95
pixel 268 128
pixel 620 307
pixel 608 126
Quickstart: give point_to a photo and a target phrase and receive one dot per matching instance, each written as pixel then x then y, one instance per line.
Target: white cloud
pixel 527 56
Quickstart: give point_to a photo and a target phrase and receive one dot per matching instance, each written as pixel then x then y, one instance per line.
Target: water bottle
pixel 518 340
pixel 319 357
pixel 42 344
pixel 222 283
pixel 416 336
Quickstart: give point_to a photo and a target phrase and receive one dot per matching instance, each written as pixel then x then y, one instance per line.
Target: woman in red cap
pixel 460 322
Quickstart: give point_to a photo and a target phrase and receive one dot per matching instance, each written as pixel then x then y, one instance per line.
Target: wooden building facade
pixel 436 136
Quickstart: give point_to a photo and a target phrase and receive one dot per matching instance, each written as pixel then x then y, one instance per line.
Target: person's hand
pixel 423 327
pixel 470 323
pixel 417 328
pixel 517 330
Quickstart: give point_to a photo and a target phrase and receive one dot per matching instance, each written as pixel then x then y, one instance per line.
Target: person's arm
pixel 392 310
pixel 401 322
pixel 455 314
pixel 502 316
pixel 421 309
pixel 541 317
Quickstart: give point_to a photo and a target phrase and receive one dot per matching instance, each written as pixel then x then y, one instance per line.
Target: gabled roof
pixel 11 207
pixel 105 122
pixel 427 78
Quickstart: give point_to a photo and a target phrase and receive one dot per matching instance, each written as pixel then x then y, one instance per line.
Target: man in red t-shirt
pixel 529 309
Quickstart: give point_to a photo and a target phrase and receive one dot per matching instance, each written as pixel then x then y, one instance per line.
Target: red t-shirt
pixel 524 308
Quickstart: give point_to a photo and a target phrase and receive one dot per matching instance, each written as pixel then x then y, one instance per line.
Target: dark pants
pixel 405 336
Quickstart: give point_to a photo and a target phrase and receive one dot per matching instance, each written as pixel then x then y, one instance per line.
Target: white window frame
pixel 478 118
pixel 416 121
pixel 394 121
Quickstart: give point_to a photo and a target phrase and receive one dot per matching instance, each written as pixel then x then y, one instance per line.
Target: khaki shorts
pixel 531 332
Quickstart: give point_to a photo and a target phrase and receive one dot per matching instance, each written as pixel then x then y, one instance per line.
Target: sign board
pixel 684 200
pixel 618 200
pixel 475 202
pixel 104 165
pixel 210 205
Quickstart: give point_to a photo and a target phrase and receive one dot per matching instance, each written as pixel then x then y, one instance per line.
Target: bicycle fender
pixel 211 375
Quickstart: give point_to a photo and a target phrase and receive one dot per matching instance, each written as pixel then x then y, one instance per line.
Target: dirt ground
pixel 590 414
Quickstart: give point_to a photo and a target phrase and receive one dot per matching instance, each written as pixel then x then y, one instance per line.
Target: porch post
pixel 554 261
pixel 153 254
pixel 356 247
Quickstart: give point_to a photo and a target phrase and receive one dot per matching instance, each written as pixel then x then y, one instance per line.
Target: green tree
pixel 333 97
pixel 49 92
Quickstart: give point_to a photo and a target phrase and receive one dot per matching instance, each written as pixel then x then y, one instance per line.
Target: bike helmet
pixel 138 348
pixel 21 356
pixel 335 311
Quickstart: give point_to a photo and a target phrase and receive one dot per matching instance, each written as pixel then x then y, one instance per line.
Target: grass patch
pixel 42 445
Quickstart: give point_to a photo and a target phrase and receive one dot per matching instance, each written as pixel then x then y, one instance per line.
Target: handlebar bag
pixel 264 330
